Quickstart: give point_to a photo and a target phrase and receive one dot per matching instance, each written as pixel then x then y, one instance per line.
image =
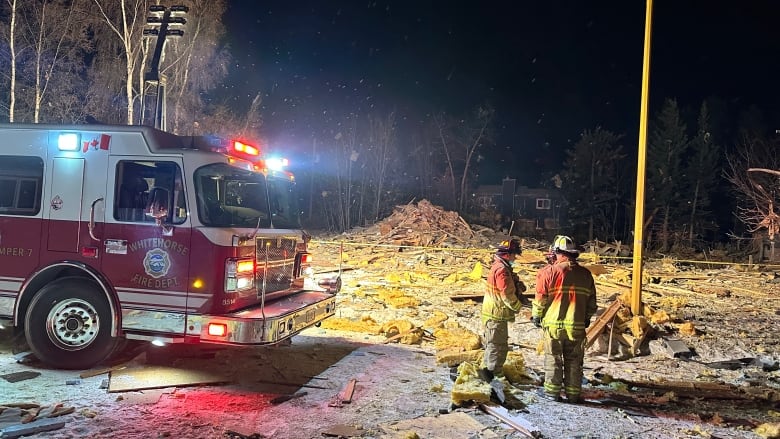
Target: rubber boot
pixel 486 375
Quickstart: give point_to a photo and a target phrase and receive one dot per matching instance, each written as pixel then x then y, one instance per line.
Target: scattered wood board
pixel 452 425
pixel 37 426
pixel 146 397
pixel 466 296
pixel 342 431
pixel 96 372
pixel 156 377
pixel 601 322
pixel 348 392
pixel 345 396
pixel 515 421
pixel 15 377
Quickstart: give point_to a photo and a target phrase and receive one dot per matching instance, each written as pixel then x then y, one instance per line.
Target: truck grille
pixel 279 253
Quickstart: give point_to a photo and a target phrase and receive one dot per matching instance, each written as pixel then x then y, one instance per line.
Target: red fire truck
pixel 129 232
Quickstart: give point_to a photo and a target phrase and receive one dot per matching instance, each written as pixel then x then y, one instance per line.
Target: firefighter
pixel 502 301
pixel 564 303
pixel 550 258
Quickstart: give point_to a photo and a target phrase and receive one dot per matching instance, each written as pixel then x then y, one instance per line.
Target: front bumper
pixel 277 321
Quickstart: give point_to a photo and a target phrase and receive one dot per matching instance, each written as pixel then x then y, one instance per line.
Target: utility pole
pixel 639 217
pixel 161 23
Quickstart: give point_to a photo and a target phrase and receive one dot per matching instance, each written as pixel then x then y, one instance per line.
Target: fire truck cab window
pixel 20 185
pixel 231 197
pixel 136 180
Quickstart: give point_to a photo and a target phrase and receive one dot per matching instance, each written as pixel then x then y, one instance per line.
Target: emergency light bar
pixel 245 149
pixel 248 156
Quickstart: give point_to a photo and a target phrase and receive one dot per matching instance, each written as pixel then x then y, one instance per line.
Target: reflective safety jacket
pixel 501 301
pixel 565 298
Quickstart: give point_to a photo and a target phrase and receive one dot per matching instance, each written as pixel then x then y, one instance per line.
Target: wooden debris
pixel 348 392
pixel 705 390
pixel 277 383
pixel 15 377
pixel 342 431
pixel 467 296
pixel 420 224
pixel 156 377
pixel 96 372
pixel 605 318
pixel 37 426
pixel 450 425
pixel 345 396
pixel 515 421
pixel 237 435
pixel 284 398
pixel 423 335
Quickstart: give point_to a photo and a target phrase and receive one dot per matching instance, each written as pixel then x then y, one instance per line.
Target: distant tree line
pixel 78 61
pixel 701 188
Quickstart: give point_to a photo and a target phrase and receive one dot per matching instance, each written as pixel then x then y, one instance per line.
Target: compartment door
pixel 65 205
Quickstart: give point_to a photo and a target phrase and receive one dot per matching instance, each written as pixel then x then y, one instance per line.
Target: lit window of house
pixel 542 203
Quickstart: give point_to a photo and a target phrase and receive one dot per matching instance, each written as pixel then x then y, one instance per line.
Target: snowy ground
pixel 399 391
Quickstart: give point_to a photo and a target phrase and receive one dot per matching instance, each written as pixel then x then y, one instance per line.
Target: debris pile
pixel 424 224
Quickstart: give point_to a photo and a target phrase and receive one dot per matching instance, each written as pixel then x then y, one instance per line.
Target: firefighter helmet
pixel 509 247
pixel 564 244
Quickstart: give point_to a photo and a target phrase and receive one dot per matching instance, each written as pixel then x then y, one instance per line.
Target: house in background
pixel 535 211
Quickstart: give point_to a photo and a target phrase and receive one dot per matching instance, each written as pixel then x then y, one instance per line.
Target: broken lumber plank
pixel 466 296
pixel 37 426
pixel 96 372
pixel 311 386
pixel 704 390
pixel 284 398
pixel 597 327
pixel 514 421
pixel 349 390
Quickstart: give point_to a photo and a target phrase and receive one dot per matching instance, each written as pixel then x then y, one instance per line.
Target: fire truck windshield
pixel 232 197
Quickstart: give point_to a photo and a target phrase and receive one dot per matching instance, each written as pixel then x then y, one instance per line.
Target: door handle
pixel 92 219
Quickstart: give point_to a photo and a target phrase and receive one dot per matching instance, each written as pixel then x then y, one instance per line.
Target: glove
pixel 537 321
pixel 587 322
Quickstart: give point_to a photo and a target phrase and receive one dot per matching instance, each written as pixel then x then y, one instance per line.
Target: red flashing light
pixel 217 329
pixel 244 148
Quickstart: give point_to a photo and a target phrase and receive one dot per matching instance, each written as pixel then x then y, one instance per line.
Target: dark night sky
pixel 551 69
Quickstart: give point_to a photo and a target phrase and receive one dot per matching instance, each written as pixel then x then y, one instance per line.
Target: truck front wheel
pixel 68 324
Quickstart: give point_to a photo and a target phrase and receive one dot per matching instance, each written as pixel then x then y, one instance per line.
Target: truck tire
pixel 68 324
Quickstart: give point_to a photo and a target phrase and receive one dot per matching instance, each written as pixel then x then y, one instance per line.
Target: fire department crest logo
pixel 157 263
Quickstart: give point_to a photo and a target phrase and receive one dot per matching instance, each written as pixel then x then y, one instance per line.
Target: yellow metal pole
pixel 639 217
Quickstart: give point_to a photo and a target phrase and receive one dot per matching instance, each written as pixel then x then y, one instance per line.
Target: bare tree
pixel 125 21
pixel 460 140
pixel 54 33
pixel 474 135
pixel 444 132
pixel 753 170
pixel 382 145
pixel 12 50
